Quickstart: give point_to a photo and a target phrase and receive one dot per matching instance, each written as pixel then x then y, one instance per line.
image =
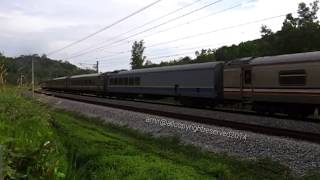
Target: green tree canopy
pixel 137 58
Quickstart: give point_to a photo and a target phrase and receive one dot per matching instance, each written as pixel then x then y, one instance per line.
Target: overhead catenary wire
pixel 148 22
pixel 192 21
pixel 214 31
pixel 194 49
pixel 178 47
pixel 217 30
pixel 104 28
pixel 147 30
pixel 185 53
pixel 197 19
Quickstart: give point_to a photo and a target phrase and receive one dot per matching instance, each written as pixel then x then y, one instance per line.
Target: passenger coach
pixel 284 83
pixel 197 81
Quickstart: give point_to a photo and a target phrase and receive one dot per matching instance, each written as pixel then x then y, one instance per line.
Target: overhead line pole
pixel 32 69
pixel 97 66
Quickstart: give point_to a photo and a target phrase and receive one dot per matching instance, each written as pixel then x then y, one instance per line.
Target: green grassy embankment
pixel 39 142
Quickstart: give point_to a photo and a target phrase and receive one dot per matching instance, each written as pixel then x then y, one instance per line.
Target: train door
pixel 246 83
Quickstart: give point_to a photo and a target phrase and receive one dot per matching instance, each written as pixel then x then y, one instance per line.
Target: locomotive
pixel 288 84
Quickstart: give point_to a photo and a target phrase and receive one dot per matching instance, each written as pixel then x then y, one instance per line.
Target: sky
pixel 170 28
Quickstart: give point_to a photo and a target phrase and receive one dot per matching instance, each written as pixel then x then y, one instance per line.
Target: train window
pixel 116 81
pixel 126 81
pixel 292 78
pixel 247 76
pixel 111 81
pixel 131 81
pixel 137 81
pixel 120 81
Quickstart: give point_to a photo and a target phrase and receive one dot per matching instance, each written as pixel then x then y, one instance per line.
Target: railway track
pixel 233 110
pixel 221 109
pixel 199 115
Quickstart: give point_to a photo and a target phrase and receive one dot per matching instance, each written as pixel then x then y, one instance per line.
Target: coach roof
pixel 85 75
pixel 287 58
pixel 172 68
pixel 60 78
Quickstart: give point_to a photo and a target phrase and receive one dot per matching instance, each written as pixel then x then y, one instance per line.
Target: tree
pixel 44 56
pixel 307 14
pixel 205 55
pixel 148 63
pixel 265 31
pixel 137 58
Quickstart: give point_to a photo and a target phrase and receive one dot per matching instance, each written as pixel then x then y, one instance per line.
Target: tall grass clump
pixel 29 146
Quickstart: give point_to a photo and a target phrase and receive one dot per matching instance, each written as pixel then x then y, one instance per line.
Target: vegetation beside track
pixel 29 145
pixel 40 142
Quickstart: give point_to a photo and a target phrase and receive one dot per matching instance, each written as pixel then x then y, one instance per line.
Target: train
pixel 287 84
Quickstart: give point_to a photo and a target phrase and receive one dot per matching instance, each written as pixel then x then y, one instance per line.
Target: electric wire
pixel 104 28
pixel 146 30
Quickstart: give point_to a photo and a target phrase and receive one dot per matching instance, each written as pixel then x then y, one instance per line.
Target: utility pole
pixel 21 79
pixel 97 66
pixel 32 78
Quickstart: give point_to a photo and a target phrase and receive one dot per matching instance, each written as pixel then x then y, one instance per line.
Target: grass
pixel 50 144
pixel 29 143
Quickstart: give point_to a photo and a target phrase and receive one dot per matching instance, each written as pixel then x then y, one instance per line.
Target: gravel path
pixel 300 156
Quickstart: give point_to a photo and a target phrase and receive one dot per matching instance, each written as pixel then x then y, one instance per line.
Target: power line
pixel 104 28
pixel 149 29
pixel 194 20
pixel 216 30
pixel 205 46
pixel 213 31
pixel 150 22
pixel 162 56
pixel 171 55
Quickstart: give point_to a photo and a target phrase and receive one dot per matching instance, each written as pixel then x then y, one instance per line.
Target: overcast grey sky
pixel 42 26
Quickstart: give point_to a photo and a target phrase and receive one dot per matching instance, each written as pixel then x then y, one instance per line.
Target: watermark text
pixel 196 128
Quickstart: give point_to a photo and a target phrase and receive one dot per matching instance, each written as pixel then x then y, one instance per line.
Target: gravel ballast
pixel 299 156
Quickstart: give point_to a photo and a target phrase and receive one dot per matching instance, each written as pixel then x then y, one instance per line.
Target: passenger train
pixel 287 84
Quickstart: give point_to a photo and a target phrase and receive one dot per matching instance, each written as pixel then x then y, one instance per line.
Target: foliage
pixel 45 68
pixel 29 146
pixel 137 58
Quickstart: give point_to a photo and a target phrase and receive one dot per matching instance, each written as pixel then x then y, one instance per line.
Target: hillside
pixel 44 67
